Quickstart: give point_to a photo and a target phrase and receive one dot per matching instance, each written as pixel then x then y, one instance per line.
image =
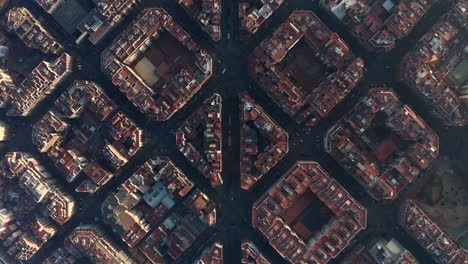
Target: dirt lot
pixel 444 195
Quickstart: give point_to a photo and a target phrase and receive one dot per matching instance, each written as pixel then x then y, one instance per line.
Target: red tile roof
pixel 353 142
pixel 380 251
pixel 207 119
pixel 253 14
pixel 428 234
pixel 31 31
pixel 378 24
pixel 86 103
pixel 40 196
pixel 255 123
pixel 97 246
pixel 426 69
pixel 44 79
pixel 179 87
pixel 324 245
pixel 207 13
pixel 212 255
pixel 251 255
pixel 328 50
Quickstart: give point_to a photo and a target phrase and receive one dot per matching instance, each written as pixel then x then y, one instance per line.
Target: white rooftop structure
pixel 341 8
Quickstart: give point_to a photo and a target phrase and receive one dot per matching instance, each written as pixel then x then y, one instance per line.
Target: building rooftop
pixel 21 22
pixel 100 140
pixel 207 13
pixel 382 143
pixel 305 68
pixel 92 242
pixel 436 68
pixel 212 255
pixel 50 6
pixel 36 181
pixel 31 203
pixel 430 236
pixel 378 25
pixel 253 14
pixel 263 142
pixel 145 198
pixel 251 255
pixel 41 82
pixel 381 251
pixel 106 16
pixel 95 25
pixel 60 256
pixel 200 139
pixel 158 211
pixel 156 64
pixel 280 212
pixel 173 236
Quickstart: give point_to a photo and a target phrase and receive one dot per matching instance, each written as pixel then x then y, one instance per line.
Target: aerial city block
pixel 243 131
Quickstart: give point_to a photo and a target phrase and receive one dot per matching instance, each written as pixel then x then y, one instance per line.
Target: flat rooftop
pixel 70 14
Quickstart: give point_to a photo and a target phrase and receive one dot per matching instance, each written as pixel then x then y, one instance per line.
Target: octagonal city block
pixel 305 68
pixel 21 98
pixel 436 69
pixel 382 143
pixel 31 199
pixel 263 142
pixel 156 64
pixel 32 32
pixel 85 134
pixel 307 216
pixel 157 206
pixel 200 139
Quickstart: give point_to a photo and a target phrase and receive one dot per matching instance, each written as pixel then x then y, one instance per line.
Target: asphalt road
pixel 234 204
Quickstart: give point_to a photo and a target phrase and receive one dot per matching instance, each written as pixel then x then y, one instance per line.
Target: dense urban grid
pixel 246 131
